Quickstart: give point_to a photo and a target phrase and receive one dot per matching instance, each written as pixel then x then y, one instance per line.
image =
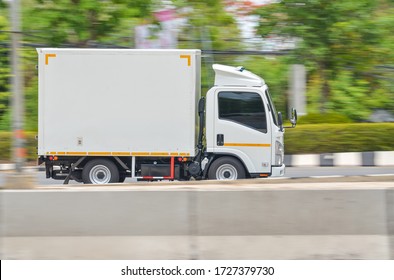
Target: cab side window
pixel 245 108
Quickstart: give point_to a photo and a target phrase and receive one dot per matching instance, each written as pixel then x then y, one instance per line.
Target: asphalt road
pixel 291 172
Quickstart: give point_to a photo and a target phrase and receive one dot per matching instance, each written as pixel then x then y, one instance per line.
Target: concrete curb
pixel 341 159
pixel 328 159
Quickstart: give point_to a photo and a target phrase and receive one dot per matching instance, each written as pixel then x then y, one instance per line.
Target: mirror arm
pixel 292 126
pixel 293 119
pixel 280 121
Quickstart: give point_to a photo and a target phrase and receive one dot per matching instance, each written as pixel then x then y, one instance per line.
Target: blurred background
pixel 332 60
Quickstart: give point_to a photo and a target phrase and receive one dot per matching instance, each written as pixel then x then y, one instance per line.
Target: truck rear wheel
pixel 226 168
pixel 100 171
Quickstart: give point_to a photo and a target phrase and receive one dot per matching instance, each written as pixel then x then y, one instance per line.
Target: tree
pixel 208 27
pixel 338 41
pixel 76 23
pixel 79 23
pixel 5 74
pixel 208 22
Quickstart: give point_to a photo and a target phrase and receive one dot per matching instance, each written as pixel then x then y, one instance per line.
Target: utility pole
pixel 17 102
pixel 297 93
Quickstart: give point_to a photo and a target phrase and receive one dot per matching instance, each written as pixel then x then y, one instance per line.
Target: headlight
pixel 279 153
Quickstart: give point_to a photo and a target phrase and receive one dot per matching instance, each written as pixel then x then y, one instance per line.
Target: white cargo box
pixel 118 102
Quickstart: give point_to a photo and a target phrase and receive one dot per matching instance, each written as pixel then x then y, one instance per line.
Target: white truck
pixel 108 114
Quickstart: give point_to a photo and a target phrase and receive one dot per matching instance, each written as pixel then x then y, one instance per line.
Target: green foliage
pixel 79 22
pixel 317 118
pixel 5 75
pixel 341 43
pixel 31 146
pixel 350 96
pixel 208 26
pixel 29 58
pixel 333 138
pixel 6 146
pixel 5 121
pixel 31 106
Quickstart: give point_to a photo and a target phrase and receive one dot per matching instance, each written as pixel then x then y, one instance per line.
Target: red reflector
pixel 51 158
pixel 180 159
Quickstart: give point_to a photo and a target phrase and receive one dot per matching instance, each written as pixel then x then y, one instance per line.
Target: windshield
pixel 272 108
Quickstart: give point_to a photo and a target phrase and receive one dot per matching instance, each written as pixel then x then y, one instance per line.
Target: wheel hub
pixel 226 172
pixel 100 174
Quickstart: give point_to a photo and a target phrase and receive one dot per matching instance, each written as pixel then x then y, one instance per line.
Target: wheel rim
pixel 226 172
pixel 100 174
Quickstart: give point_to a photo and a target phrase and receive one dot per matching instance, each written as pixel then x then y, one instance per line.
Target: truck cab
pixel 243 135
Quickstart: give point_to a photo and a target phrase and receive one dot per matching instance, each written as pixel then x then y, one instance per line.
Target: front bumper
pixel 278 171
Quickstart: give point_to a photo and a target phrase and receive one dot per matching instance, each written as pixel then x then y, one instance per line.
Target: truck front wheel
pixel 100 171
pixel 226 168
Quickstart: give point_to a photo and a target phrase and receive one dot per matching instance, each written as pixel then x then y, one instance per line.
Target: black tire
pixel 100 171
pixel 122 177
pixel 226 168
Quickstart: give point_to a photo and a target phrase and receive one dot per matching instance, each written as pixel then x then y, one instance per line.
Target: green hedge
pixel 304 139
pixel 333 138
pixel 6 144
pixel 315 118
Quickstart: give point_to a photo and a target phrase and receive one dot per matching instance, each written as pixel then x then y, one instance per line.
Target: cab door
pixel 242 128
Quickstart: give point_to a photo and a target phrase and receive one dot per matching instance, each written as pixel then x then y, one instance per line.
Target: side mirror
pixel 280 121
pixel 293 119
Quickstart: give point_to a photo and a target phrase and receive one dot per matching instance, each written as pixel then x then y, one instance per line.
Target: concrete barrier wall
pixel 253 221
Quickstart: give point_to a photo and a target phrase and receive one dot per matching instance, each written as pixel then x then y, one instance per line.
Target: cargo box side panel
pixel 118 101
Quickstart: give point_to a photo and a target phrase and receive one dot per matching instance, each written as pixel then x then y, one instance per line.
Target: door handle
pixel 220 139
